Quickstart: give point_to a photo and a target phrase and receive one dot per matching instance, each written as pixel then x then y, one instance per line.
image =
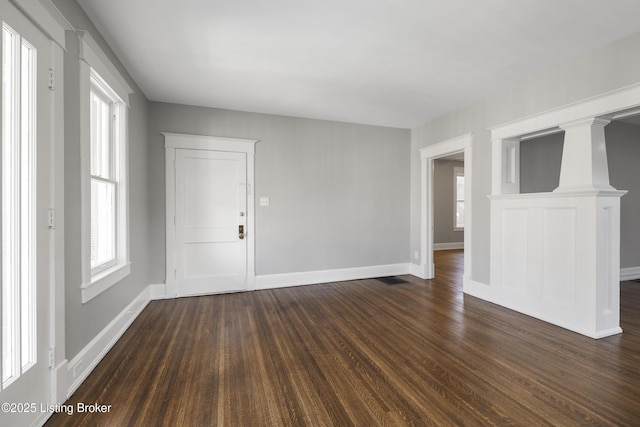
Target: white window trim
pixel 457 171
pixel 92 57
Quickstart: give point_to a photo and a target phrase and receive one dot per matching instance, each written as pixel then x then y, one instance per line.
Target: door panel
pixel 211 201
pixel 24 179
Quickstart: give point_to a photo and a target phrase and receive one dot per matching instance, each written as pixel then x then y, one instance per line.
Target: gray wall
pixel 443 206
pixel 85 321
pixel 339 192
pixel 540 161
pixel 540 172
pixel 611 67
pixel 623 155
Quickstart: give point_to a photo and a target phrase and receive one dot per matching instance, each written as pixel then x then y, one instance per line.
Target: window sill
pixel 104 280
pixel 458 228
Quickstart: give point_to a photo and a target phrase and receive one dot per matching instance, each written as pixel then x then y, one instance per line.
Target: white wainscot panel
pixel 514 250
pixel 554 257
pixel 559 249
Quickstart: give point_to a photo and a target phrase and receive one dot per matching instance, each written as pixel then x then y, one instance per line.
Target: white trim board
pixel 583 171
pixel 606 105
pixel 428 154
pixel 176 141
pixel 211 143
pixel 630 273
pixel 94 56
pixel 88 358
pixel 484 292
pixel 47 16
pixel 448 246
pixel 274 281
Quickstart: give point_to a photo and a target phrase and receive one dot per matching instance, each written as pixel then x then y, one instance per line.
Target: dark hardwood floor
pixel 362 353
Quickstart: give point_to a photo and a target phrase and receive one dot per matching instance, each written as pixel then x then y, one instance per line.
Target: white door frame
pixel 54 25
pixel 427 156
pixel 174 141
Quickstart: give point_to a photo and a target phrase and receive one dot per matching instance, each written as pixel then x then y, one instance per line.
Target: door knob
pixel 241 231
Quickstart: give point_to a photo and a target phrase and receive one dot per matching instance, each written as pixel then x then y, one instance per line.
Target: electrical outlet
pixel 416 255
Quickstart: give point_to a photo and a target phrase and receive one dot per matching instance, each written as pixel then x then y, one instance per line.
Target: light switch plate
pixel 264 201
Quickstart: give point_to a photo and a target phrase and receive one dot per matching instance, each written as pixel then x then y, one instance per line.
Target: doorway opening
pixel 459 148
pixel 448 214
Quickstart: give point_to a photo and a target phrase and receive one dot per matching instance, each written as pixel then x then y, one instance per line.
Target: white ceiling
pixel 387 62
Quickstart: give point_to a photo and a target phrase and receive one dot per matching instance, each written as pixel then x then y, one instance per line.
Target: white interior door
pixel 211 220
pixel 24 187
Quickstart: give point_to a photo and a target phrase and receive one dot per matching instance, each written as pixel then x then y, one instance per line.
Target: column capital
pixel 584 156
pixel 592 121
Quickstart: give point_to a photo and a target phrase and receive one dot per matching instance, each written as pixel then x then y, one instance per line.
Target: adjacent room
pixel 319 213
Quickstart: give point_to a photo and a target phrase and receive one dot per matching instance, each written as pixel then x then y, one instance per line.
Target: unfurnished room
pixel 296 213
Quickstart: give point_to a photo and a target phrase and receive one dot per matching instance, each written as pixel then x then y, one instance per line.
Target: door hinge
pixel 51 220
pixel 175 273
pixel 52 357
pixel 52 79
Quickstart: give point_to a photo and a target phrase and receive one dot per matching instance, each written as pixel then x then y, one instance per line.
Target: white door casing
pixel 210 183
pixel 427 155
pixel 29 390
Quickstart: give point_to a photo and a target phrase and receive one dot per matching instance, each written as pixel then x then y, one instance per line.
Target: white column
pixel 584 156
pixel 585 174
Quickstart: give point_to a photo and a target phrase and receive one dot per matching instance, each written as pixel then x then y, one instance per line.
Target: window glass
pixel 459 190
pixel 104 206
pixel 18 201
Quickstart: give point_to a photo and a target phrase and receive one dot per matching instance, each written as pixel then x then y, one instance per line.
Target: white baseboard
pixel 84 363
pixel 477 289
pixel 157 291
pixel 448 246
pixel 59 382
pixel 487 293
pixel 417 270
pixel 272 281
pixel 631 273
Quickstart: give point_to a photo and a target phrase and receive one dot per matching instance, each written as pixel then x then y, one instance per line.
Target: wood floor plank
pixel 362 353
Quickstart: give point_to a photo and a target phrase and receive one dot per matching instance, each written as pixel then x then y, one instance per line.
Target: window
pixel 104 176
pixel 105 239
pixel 18 208
pixel 458 188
